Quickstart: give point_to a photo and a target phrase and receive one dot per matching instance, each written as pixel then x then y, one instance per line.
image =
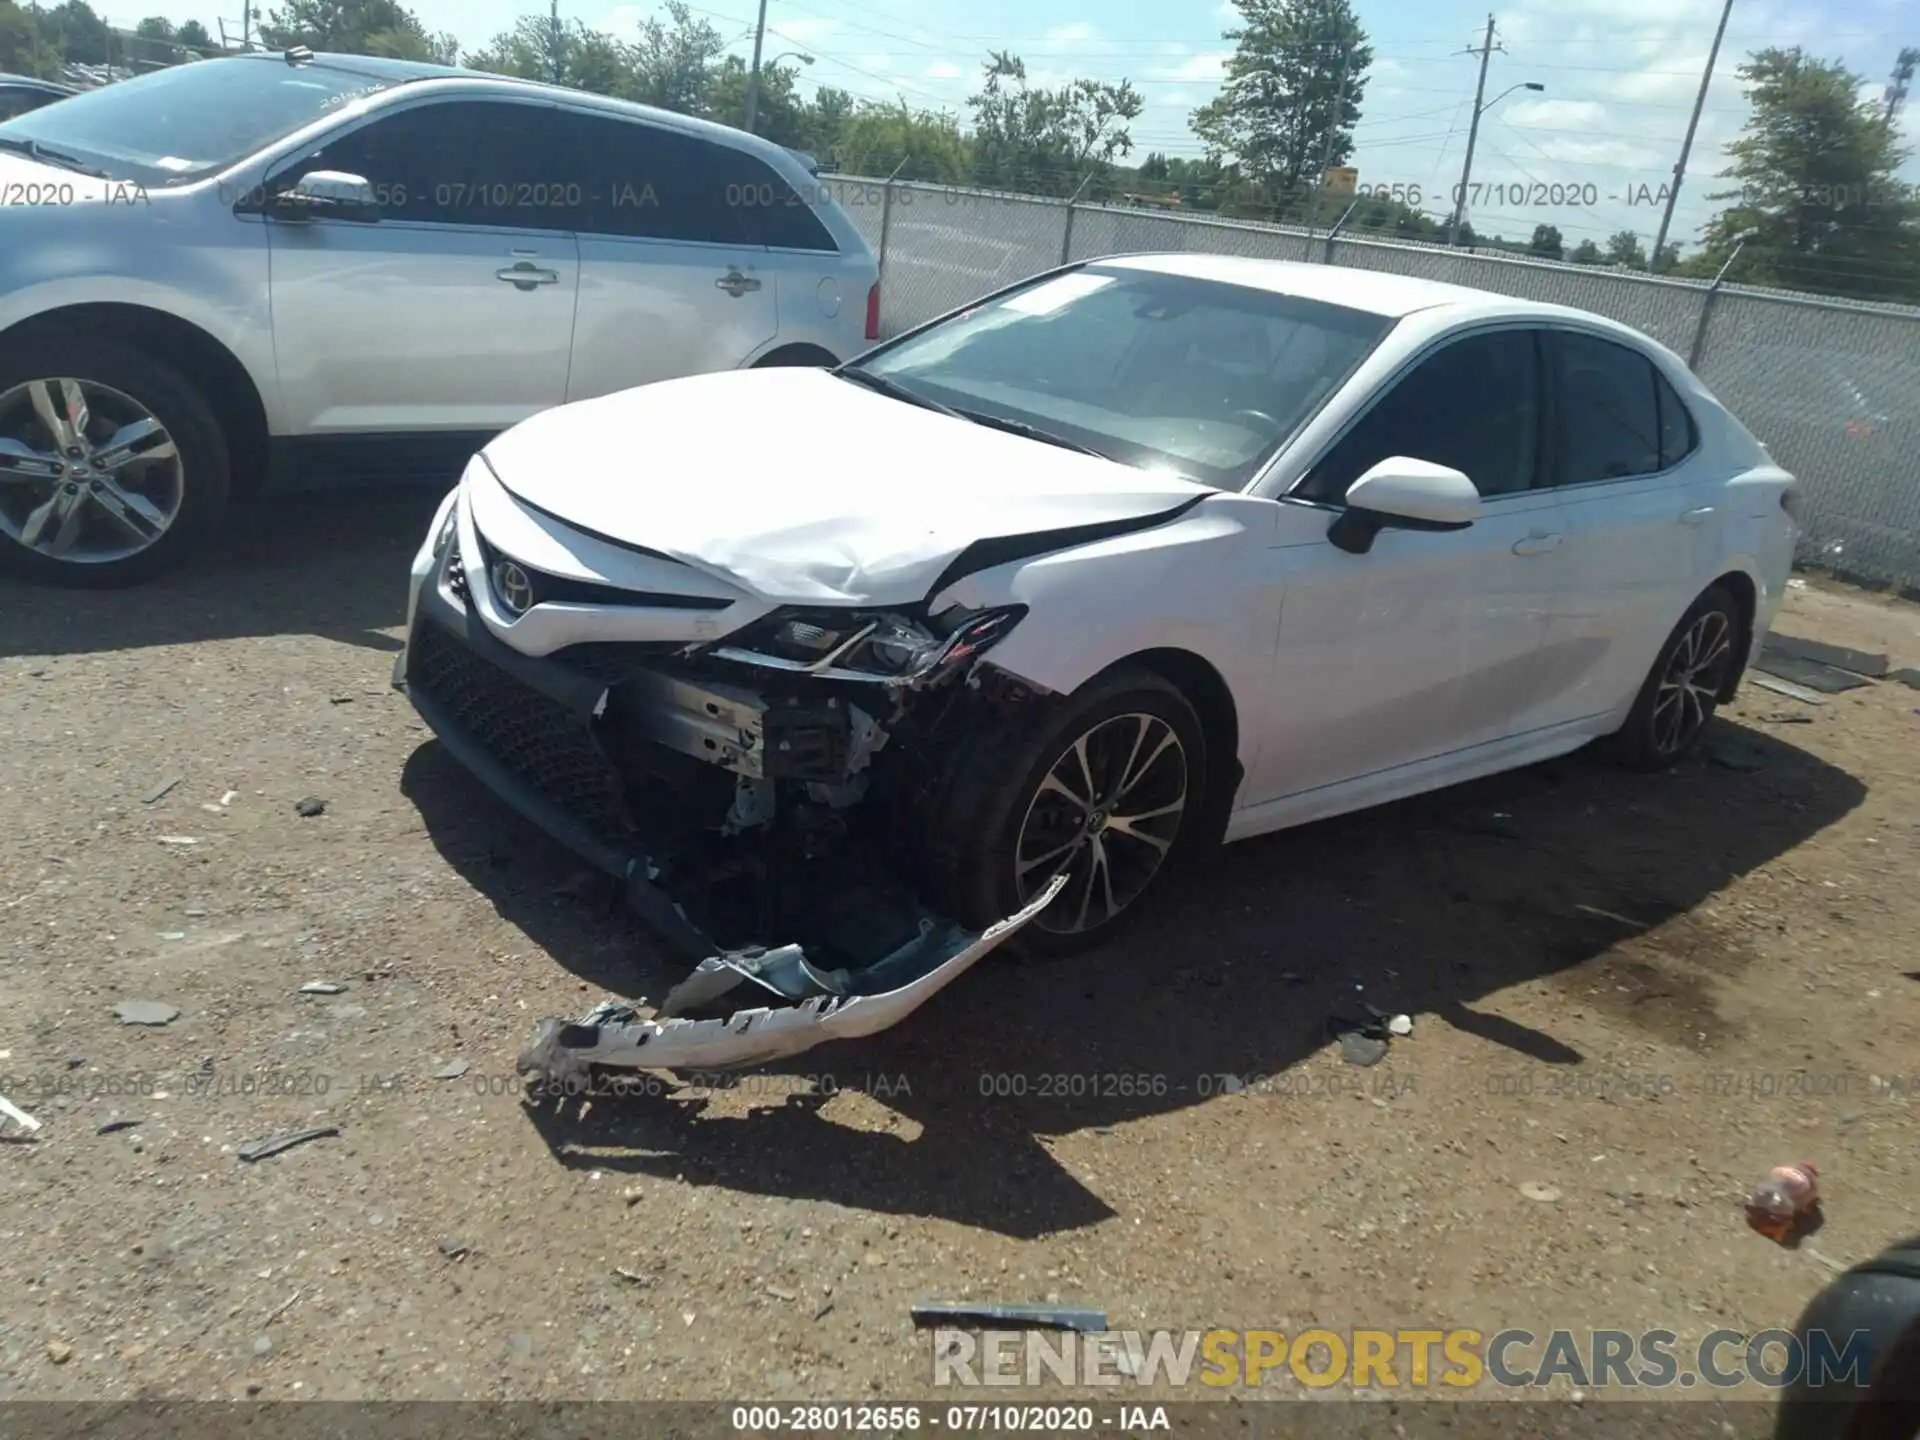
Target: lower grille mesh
pixel 537 738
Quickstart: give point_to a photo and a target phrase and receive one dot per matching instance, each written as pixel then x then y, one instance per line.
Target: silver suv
pixel 301 270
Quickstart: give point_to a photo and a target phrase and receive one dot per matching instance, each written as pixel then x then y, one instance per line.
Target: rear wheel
pixel 1683 689
pixel 1106 790
pixel 112 467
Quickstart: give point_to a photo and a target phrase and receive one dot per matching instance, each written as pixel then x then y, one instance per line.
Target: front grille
pixel 536 737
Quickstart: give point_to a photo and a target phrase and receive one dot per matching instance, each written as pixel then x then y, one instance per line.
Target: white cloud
pixel 1078 33
pixel 944 70
pixel 1208 65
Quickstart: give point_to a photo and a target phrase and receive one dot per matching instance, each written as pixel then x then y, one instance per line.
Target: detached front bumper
pixel 529 729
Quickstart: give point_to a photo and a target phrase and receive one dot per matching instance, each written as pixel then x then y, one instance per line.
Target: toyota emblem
pixel 513 585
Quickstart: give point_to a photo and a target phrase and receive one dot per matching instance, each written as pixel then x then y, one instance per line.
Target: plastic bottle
pixel 1783 1200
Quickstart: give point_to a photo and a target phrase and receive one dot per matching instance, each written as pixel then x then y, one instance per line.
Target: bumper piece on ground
pixel 828 1005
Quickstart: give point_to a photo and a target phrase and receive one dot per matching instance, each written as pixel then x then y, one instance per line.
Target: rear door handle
pixel 1537 544
pixel 524 274
pixel 1697 517
pixel 736 284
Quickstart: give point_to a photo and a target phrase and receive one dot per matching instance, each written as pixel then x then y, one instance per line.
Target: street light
pixel 1480 108
pixel 753 75
pixel 800 55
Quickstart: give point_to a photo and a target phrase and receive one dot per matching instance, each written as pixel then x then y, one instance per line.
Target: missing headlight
pixel 857 645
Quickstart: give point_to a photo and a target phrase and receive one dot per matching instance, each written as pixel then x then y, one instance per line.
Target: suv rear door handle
pixel 1697 517
pixel 524 274
pixel 1537 544
pixel 736 284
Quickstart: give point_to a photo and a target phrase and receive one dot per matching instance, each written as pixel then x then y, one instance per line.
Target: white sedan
pixel 849 675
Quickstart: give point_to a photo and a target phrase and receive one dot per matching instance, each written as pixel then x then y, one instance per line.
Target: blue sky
pixel 1620 78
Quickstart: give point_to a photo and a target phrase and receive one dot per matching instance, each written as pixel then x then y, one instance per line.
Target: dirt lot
pixel 1639 993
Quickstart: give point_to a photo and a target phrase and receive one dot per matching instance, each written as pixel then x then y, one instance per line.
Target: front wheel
pixel 1107 790
pixel 1683 689
pixel 112 467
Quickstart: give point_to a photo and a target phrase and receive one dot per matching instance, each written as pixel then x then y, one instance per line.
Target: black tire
pixel 174 401
pixel 1715 626
pixel 975 827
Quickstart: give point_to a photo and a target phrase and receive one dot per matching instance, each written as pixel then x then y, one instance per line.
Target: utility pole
pixel 553 45
pixel 1326 144
pixel 1485 52
pixel 753 75
pixel 246 23
pixel 1686 145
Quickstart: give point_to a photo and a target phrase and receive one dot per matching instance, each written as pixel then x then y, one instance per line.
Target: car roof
pixel 418 71
pixel 1377 292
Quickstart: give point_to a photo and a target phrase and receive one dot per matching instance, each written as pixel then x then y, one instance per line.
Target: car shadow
pixel 1425 907
pixel 333 565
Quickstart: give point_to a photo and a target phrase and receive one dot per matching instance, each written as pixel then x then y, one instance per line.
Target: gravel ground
pixel 1630 995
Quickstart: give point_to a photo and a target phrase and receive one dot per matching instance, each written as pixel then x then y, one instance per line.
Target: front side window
pixel 186 121
pixel 1160 371
pixel 462 162
pixel 1473 406
pixel 1609 411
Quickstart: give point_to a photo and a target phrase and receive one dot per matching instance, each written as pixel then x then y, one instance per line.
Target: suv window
pixel 464 162
pixel 1474 406
pixel 1611 425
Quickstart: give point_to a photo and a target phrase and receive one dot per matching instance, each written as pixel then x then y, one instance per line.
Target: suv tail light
pixel 873 312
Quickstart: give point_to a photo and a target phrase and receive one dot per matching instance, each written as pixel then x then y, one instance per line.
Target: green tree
pixel 154 27
pixel 1624 248
pixel 76 33
pixel 822 119
pixel 587 59
pixel 925 144
pixel 1292 93
pixel 1546 242
pixel 1031 138
pixel 357 27
pixel 25 48
pixel 193 35
pixel 1585 253
pixel 673 63
pixel 1819 206
pixel 779 115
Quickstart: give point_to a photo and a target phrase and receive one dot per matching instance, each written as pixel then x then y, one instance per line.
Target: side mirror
pixel 331 192
pixel 1402 493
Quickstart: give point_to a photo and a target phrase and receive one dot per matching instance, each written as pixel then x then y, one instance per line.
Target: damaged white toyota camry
pixel 848 676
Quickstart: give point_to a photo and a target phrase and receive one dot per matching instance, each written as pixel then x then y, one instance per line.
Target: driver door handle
pixel 1537 543
pixel 736 284
pixel 1697 517
pixel 524 274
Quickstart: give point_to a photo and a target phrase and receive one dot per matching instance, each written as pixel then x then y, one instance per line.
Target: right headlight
pixel 870 645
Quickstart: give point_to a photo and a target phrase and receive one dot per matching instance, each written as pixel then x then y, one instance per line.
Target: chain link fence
pixel 1832 387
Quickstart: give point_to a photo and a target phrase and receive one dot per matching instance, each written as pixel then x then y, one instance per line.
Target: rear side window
pixel 1610 411
pixel 777 214
pixel 1679 437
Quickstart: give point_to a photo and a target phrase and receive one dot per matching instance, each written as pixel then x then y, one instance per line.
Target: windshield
pixel 186 121
pixel 1157 371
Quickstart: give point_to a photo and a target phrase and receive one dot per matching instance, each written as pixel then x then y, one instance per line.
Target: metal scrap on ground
pixel 274 1144
pixel 1858 662
pixel 1788 689
pixel 12 1117
pixel 1041 1317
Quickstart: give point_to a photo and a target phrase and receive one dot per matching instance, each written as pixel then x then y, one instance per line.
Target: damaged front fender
pixel 829 1005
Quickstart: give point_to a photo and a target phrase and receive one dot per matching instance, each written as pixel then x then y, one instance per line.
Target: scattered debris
pixel 178 840
pixel 59 1351
pixel 779 1293
pixel 322 987
pixel 113 1127
pixel 1534 1190
pixel 1780 1206
pixel 1614 916
pixel 1908 677
pixel 1400 1025
pixel 1826 1262
pixel 160 791
pixel 1038 1317
pixel 455 1249
pixel 1781 717
pixel 311 806
pixel 1365 1042
pixel 1839 657
pixel 452 1070
pixel 172 935
pixel 645 1282
pixel 340 699
pixel 145 1012
pixel 823 1309
pixel 284 1306
pixel 12 1117
pixel 273 1145
pixel 1787 688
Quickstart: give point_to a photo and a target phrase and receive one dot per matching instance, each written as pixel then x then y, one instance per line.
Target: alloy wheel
pixel 1105 815
pixel 1690 688
pixel 87 474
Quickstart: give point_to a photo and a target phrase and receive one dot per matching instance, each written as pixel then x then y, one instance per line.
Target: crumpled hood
pixel 805 488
